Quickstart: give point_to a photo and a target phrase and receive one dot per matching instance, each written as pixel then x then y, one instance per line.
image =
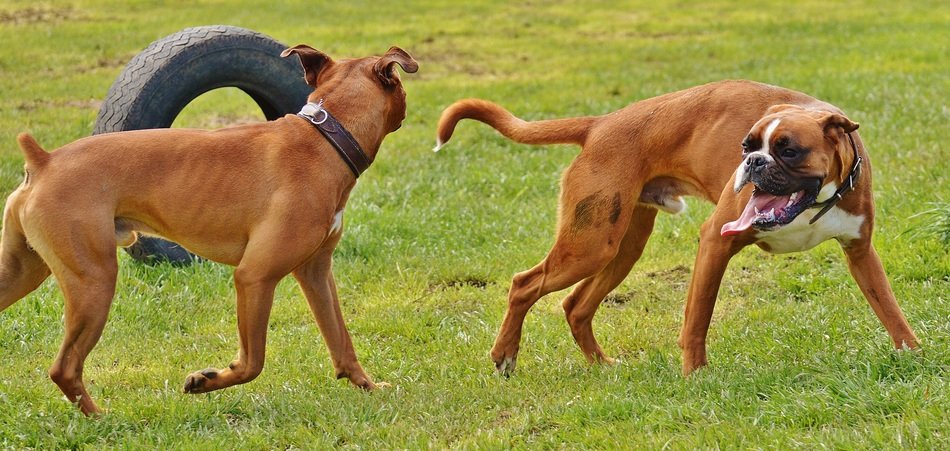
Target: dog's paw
pixel 608 361
pixel 364 382
pixel 196 382
pixel 506 365
pixel 910 346
pixel 691 367
pixel 381 386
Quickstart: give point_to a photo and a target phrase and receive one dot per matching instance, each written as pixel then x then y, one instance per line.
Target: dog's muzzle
pixel 778 197
pixel 751 169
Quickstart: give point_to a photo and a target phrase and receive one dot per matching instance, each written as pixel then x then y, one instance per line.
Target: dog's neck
pixel 343 141
pixel 367 129
pixel 847 185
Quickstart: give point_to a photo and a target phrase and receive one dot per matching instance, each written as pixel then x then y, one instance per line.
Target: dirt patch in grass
pixel 468 281
pixel 37 14
pixel 106 63
pixel 502 418
pixel 447 51
pixel 619 298
pixel 673 274
pixel 454 62
pixel 677 277
pixel 34 105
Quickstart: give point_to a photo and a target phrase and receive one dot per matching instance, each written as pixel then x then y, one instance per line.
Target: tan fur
pixel 644 157
pixel 566 131
pixel 261 197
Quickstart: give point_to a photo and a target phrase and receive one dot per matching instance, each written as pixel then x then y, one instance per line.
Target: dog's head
pixel 367 84
pixel 791 156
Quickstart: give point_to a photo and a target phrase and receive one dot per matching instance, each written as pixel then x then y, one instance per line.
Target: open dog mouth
pixel 766 211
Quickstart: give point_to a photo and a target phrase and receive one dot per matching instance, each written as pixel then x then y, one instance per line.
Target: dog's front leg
pixel 255 296
pixel 316 281
pixel 712 259
pixel 866 268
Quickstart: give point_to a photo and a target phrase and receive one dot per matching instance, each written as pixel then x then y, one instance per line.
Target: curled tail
pixel 555 131
pixel 35 156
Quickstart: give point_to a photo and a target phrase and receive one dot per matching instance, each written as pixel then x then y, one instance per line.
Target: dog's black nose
pixel 756 161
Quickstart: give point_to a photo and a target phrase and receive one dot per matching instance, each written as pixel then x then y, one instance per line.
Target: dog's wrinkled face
pixel 788 156
pixel 368 84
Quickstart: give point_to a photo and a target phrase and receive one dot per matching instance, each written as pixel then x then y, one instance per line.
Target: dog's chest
pixel 799 235
pixel 337 225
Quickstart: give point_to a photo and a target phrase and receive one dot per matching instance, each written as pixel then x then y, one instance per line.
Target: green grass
pixel 798 360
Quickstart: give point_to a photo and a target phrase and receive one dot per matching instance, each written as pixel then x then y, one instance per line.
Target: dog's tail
pixel 555 131
pixel 35 156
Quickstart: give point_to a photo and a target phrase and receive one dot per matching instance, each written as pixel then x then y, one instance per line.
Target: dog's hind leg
pixel 316 280
pixel 88 296
pixel 594 214
pixel 582 303
pixel 21 268
pixel 86 275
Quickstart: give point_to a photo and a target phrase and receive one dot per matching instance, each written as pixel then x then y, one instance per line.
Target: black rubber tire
pixel 171 72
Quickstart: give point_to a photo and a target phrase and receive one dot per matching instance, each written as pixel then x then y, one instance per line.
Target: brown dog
pixel 267 198
pixel 642 158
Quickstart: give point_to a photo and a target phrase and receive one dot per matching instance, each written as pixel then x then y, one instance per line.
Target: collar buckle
pixel 311 110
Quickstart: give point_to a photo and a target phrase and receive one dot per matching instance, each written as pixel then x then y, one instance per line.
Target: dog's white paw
pixel 506 366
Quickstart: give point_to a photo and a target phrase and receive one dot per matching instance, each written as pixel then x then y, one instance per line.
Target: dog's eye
pixel 745 146
pixel 789 153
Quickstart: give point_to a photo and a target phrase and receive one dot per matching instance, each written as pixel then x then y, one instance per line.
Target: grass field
pixel 798 359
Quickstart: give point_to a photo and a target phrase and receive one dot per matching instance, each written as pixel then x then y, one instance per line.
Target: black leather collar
pixel 341 139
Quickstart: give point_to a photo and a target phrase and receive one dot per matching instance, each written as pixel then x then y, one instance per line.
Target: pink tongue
pixel 764 202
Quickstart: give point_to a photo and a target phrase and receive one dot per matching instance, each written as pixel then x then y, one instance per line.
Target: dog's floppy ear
pixel 312 60
pixel 844 157
pixel 384 67
pixel 838 120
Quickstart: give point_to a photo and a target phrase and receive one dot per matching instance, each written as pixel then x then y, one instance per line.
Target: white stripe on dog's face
pixel 742 175
pixel 768 134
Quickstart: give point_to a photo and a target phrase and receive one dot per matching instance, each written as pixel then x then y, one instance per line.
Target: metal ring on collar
pixel 321 121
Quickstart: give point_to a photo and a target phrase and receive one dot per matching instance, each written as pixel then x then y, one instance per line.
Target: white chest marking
pixel 337 222
pixel 826 192
pixel 801 236
pixel 741 174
